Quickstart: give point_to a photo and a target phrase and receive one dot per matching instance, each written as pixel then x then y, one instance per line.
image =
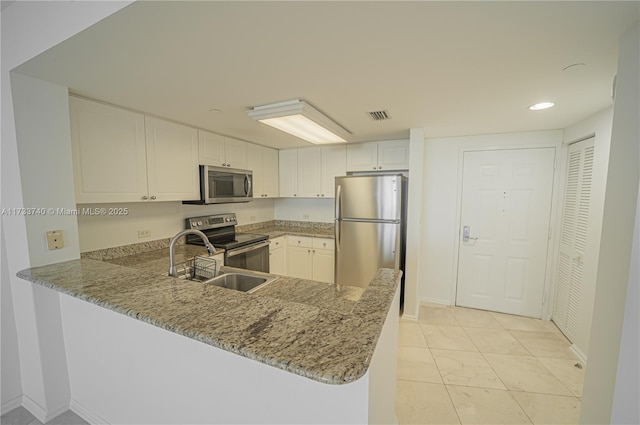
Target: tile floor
pixel 461 366
pixel 21 416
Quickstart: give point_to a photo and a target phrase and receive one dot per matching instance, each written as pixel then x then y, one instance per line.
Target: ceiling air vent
pixel 379 115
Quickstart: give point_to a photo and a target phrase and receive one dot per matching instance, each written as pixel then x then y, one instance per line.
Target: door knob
pixel 465 234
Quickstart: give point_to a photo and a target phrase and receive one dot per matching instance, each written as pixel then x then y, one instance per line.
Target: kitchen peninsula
pixel 295 351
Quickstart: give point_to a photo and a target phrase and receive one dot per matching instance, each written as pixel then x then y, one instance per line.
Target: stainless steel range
pixel 243 250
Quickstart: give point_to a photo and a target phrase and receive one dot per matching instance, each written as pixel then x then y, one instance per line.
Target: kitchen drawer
pixel 303 241
pixel 323 243
pixel 279 242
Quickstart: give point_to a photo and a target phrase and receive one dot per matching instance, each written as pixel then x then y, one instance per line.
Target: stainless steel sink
pixel 244 282
pixel 248 283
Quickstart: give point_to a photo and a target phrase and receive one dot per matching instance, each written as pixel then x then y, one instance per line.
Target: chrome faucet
pixel 210 248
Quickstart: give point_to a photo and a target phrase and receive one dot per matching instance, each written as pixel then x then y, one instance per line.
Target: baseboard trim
pixel 429 300
pixel 8 406
pixel 34 408
pixel 406 316
pixel 578 352
pixel 86 413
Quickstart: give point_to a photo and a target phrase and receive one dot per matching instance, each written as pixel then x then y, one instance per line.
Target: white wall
pixel 598 126
pixel 440 219
pixel 305 209
pixel 46 170
pixel 163 219
pixel 615 262
pixel 11 385
pixel 29 28
pixel 625 409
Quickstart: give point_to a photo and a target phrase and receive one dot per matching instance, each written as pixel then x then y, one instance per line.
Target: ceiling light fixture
pixel 541 105
pixel 300 119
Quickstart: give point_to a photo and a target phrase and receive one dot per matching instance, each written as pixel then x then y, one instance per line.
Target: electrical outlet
pixel 305 216
pixel 55 239
pixel 144 234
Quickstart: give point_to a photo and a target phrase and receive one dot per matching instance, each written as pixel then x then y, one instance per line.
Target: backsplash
pixel 285 223
pixel 140 247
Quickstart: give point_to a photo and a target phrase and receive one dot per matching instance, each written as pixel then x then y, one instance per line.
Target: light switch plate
pixel 55 239
pixel 144 234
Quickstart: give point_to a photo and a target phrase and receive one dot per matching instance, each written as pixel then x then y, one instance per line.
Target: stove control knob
pixel 199 223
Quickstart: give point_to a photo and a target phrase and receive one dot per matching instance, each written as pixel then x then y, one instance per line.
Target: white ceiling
pixel 452 68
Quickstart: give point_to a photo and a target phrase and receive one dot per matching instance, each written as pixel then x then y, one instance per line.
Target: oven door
pixel 249 257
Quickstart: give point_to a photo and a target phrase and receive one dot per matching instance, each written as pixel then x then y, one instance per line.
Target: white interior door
pixel 506 207
pixel 573 237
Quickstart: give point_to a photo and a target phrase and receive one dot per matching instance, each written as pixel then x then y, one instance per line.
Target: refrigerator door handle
pixel 337 231
pixel 338 200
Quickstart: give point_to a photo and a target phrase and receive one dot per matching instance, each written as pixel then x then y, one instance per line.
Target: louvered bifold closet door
pixel 573 237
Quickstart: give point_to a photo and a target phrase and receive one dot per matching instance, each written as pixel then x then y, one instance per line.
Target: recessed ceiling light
pixel 541 105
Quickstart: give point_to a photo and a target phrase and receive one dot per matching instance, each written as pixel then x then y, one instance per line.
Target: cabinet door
pixel 210 148
pixel 323 265
pixel 172 161
pixel 108 147
pixel 309 172
pixel 270 172
pixel 277 264
pixel 254 163
pixel 362 157
pixel 334 164
pixel 299 262
pixel 393 155
pixel 288 172
pixel 235 153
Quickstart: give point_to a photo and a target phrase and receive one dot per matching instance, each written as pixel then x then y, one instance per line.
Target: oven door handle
pixel 234 252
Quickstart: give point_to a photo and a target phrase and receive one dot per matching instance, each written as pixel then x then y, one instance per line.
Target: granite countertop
pixel 321 331
pixel 274 229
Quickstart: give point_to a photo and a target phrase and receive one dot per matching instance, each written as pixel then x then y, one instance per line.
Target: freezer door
pixel 369 197
pixel 364 247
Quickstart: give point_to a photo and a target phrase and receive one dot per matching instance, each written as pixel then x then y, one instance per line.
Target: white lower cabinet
pixel 310 258
pixel 278 256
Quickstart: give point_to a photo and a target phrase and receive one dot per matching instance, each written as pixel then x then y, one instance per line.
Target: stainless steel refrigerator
pixel 370 227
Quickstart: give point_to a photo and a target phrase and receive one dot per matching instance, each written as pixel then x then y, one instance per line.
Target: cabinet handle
pixel 224 164
pixel 295 194
pixel 380 167
pixel 228 165
pixel 318 194
pixel 145 197
pixel 375 168
pixel 314 250
pixel 309 251
pixel 153 197
pixel 323 195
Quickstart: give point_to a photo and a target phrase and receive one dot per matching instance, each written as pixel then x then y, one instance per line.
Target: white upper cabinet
pixel 334 164
pixel 270 168
pixel 378 156
pixel 109 153
pixel 263 162
pixel 123 156
pixel 221 151
pixel 288 172
pixel 315 171
pixel 309 172
pixel 172 161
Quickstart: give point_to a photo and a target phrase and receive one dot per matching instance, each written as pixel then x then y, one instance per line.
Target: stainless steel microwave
pixel 222 185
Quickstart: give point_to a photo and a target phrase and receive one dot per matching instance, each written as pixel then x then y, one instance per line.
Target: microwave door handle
pixel 247 185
